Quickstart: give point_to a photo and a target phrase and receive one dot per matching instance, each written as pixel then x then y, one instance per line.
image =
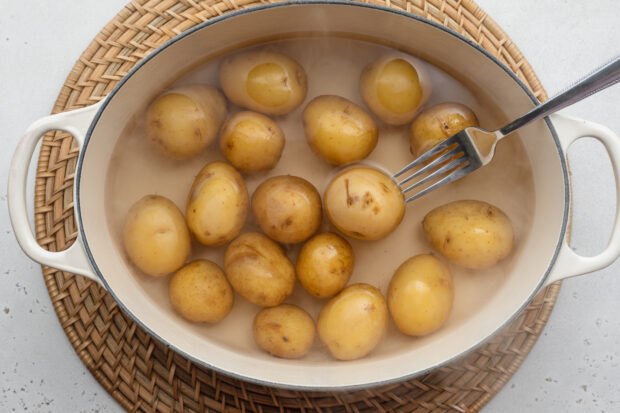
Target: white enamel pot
pixel 96 128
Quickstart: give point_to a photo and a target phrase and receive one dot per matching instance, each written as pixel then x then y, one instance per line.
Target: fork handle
pixel 598 80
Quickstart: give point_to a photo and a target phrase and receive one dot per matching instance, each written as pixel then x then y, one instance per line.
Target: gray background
pixel 572 368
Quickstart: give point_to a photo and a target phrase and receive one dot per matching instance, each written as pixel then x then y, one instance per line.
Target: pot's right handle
pixel 73 259
pixel 568 262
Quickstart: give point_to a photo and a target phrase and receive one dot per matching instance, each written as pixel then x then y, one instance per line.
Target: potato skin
pixel 338 130
pixel 472 234
pixel 251 142
pixel 266 82
pixel 325 264
pixel 284 331
pixel 420 295
pixel 258 270
pixel 183 121
pixel 217 204
pixel 155 236
pixel 364 203
pixel 200 292
pixel 353 323
pixel 394 87
pixel 437 124
pixel 287 208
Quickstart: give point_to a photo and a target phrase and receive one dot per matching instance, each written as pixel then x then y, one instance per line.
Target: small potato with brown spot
pixel 200 292
pixel 325 264
pixel 251 142
pixel 284 331
pixel 258 269
pixel 420 295
pixel 438 123
pixel 287 208
pixel 266 82
pixel 155 236
pixel 338 130
pixel 353 323
pixel 472 234
pixel 183 121
pixel 364 203
pixel 217 204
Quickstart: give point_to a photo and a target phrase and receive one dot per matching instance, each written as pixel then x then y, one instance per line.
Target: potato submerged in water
pixel 395 87
pixel 267 82
pixel 217 205
pixel 155 236
pixel 259 270
pixel 338 130
pixel 420 295
pixel 251 142
pixel 285 331
pixel 438 123
pixel 364 203
pixel 183 121
pixel 472 234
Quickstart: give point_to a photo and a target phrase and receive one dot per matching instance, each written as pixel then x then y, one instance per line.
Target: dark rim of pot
pixel 230 15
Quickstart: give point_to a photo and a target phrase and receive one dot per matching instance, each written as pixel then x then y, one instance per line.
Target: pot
pixel 544 255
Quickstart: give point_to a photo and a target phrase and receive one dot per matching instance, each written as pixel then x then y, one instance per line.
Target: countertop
pixel 574 366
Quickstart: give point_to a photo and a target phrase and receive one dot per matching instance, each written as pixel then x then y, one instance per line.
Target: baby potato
pixel 438 123
pixel 284 331
pixel 287 208
pixel 353 322
pixel 364 203
pixel 472 234
pixel 338 130
pixel 258 269
pixel 395 87
pixel 420 295
pixel 183 121
pixel 263 81
pixel 325 264
pixel 200 292
pixel 251 142
pixel 155 236
pixel 217 205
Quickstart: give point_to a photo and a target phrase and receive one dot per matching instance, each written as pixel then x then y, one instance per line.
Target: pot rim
pixel 295 3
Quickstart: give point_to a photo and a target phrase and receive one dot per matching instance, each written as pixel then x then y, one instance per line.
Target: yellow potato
pixel 353 323
pixel 338 130
pixel 200 292
pixel 251 142
pixel 183 121
pixel 263 81
pixel 155 236
pixel 394 87
pixel 420 295
pixel 325 264
pixel 284 331
pixel 364 203
pixel 472 234
pixel 287 208
pixel 437 124
pixel 217 205
pixel 258 270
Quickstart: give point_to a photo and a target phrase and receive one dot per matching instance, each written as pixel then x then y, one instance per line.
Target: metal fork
pixel 474 147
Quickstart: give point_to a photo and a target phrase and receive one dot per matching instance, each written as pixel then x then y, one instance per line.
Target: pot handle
pixel 568 262
pixel 74 258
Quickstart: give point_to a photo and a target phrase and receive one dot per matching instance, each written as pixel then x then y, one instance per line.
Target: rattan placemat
pixel 144 375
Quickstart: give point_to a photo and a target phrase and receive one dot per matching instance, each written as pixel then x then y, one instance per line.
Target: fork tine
pixel 446 156
pixel 428 154
pixel 457 174
pixel 447 167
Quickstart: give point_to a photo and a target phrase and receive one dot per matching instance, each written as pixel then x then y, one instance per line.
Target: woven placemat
pixel 144 375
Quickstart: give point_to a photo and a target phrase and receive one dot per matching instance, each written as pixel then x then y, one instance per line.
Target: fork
pixel 474 147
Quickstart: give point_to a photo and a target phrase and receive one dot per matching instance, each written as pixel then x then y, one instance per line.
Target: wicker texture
pixel 144 375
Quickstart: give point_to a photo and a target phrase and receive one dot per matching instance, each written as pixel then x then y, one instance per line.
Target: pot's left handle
pixel 73 259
